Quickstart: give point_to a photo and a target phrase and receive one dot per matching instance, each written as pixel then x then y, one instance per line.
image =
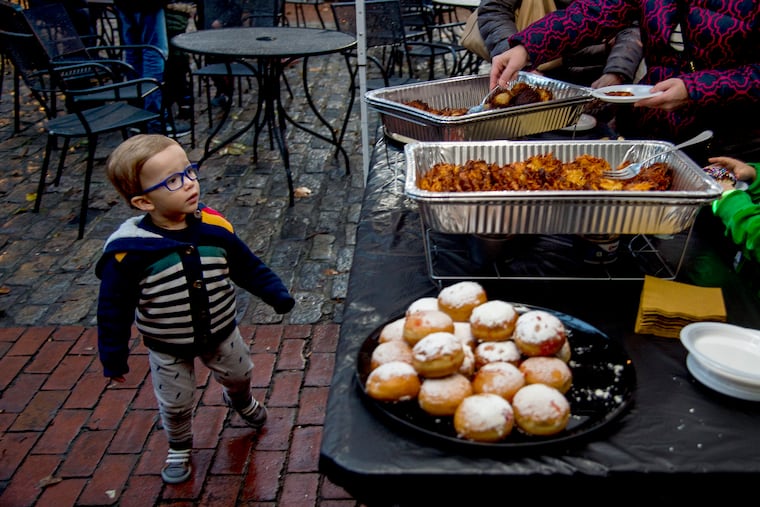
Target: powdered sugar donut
pixel 463 331
pixel 459 299
pixel 394 381
pixel 549 370
pixel 396 350
pixel 468 364
pixel 493 321
pixel 504 379
pixel 392 331
pixel 421 323
pixel 540 410
pixel 484 417
pixel 437 355
pixel 426 303
pixel 539 333
pixel 442 396
pixel 491 352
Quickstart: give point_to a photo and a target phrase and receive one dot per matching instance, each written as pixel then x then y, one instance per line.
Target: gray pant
pixel 174 384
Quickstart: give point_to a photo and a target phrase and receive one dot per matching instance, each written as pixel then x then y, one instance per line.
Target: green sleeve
pixel 740 213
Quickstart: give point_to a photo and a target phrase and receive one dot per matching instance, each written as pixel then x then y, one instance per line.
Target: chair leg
pixel 51 141
pixel 86 190
pixel 61 161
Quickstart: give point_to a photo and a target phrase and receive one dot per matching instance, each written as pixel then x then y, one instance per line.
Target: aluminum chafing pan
pixel 557 212
pixel 405 123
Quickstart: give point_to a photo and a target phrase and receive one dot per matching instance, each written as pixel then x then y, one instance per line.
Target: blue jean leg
pixel 146 28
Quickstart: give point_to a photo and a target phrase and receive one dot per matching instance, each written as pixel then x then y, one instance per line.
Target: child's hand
pixel 742 171
pixel 285 306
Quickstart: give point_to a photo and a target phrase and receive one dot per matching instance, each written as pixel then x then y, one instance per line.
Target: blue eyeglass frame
pixel 182 175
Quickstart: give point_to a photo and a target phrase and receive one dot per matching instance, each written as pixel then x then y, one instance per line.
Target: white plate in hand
pixel 637 92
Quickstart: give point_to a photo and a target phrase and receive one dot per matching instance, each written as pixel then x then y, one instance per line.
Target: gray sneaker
pixel 178 468
pixel 255 414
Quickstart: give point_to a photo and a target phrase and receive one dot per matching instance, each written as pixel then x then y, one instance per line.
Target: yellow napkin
pixel 667 306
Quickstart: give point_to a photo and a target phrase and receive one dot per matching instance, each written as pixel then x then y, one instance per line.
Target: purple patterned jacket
pixel 722 39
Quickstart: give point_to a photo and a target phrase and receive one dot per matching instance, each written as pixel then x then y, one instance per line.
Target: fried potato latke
pixel 541 172
pixel 520 94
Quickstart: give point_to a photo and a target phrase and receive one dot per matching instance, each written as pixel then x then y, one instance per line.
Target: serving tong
pixel 633 168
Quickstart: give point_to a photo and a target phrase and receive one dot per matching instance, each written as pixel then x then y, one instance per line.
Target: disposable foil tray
pixel 557 212
pixel 406 123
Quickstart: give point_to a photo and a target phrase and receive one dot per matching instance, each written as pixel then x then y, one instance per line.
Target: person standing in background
pixel 608 62
pixel 144 22
pixel 214 14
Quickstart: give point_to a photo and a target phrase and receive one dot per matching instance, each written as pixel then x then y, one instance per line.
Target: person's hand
pixel 609 79
pixel 284 306
pixel 742 171
pixel 673 96
pixel 504 67
pixel 217 24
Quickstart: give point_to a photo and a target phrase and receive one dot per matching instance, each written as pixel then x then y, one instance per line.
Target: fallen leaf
pixel 48 481
pixel 302 192
pixel 331 272
pixel 31 196
pixel 4 290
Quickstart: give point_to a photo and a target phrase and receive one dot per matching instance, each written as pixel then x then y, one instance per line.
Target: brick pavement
pixel 67 437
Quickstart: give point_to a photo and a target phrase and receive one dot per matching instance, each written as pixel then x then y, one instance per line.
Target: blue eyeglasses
pixel 176 180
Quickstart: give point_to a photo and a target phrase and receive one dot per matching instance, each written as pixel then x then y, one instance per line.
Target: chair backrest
pixel 30 64
pixel 383 21
pixel 55 30
pixel 264 13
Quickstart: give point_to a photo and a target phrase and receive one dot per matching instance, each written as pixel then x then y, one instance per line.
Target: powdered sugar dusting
pixel 486 411
pixel 392 370
pixel 540 402
pixel 393 331
pixel 439 389
pixel 427 303
pixel 493 313
pixel 537 326
pixel 461 294
pixel 489 352
pixel 435 344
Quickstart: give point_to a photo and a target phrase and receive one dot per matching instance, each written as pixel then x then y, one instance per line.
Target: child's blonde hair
pixel 125 163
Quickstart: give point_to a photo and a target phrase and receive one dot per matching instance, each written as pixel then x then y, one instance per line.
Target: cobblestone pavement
pixel 47 274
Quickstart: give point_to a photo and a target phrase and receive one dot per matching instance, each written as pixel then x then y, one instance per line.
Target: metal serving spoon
pixel 481 107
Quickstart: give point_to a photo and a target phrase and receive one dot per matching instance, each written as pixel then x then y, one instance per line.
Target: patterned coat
pixel 497 22
pixel 719 66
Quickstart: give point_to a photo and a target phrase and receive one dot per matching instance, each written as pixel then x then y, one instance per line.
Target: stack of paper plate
pixel 724 357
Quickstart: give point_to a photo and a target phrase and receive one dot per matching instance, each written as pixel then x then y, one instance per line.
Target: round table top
pixel 264 42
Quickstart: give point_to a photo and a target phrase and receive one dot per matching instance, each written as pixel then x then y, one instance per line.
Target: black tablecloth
pixel 677 440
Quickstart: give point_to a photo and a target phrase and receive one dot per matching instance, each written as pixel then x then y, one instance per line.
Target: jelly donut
pixel 392 331
pixel 442 396
pixel 421 323
pixel 490 352
pixel 539 333
pixel 394 381
pixel 458 300
pixel 396 350
pixel 493 321
pixel 540 410
pixel 426 303
pixel 504 379
pixel 549 370
pixel 438 355
pixel 484 417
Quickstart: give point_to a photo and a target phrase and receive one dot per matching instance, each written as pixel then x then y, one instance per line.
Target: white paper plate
pixel 713 381
pixel 638 92
pixel 731 352
pixel 585 122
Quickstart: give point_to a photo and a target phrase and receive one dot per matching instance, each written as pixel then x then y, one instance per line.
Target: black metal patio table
pixel 271 49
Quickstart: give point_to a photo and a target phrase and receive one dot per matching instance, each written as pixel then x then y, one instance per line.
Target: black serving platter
pixel 604 381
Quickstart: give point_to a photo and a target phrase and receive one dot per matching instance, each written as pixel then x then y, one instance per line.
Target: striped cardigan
pixel 178 287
